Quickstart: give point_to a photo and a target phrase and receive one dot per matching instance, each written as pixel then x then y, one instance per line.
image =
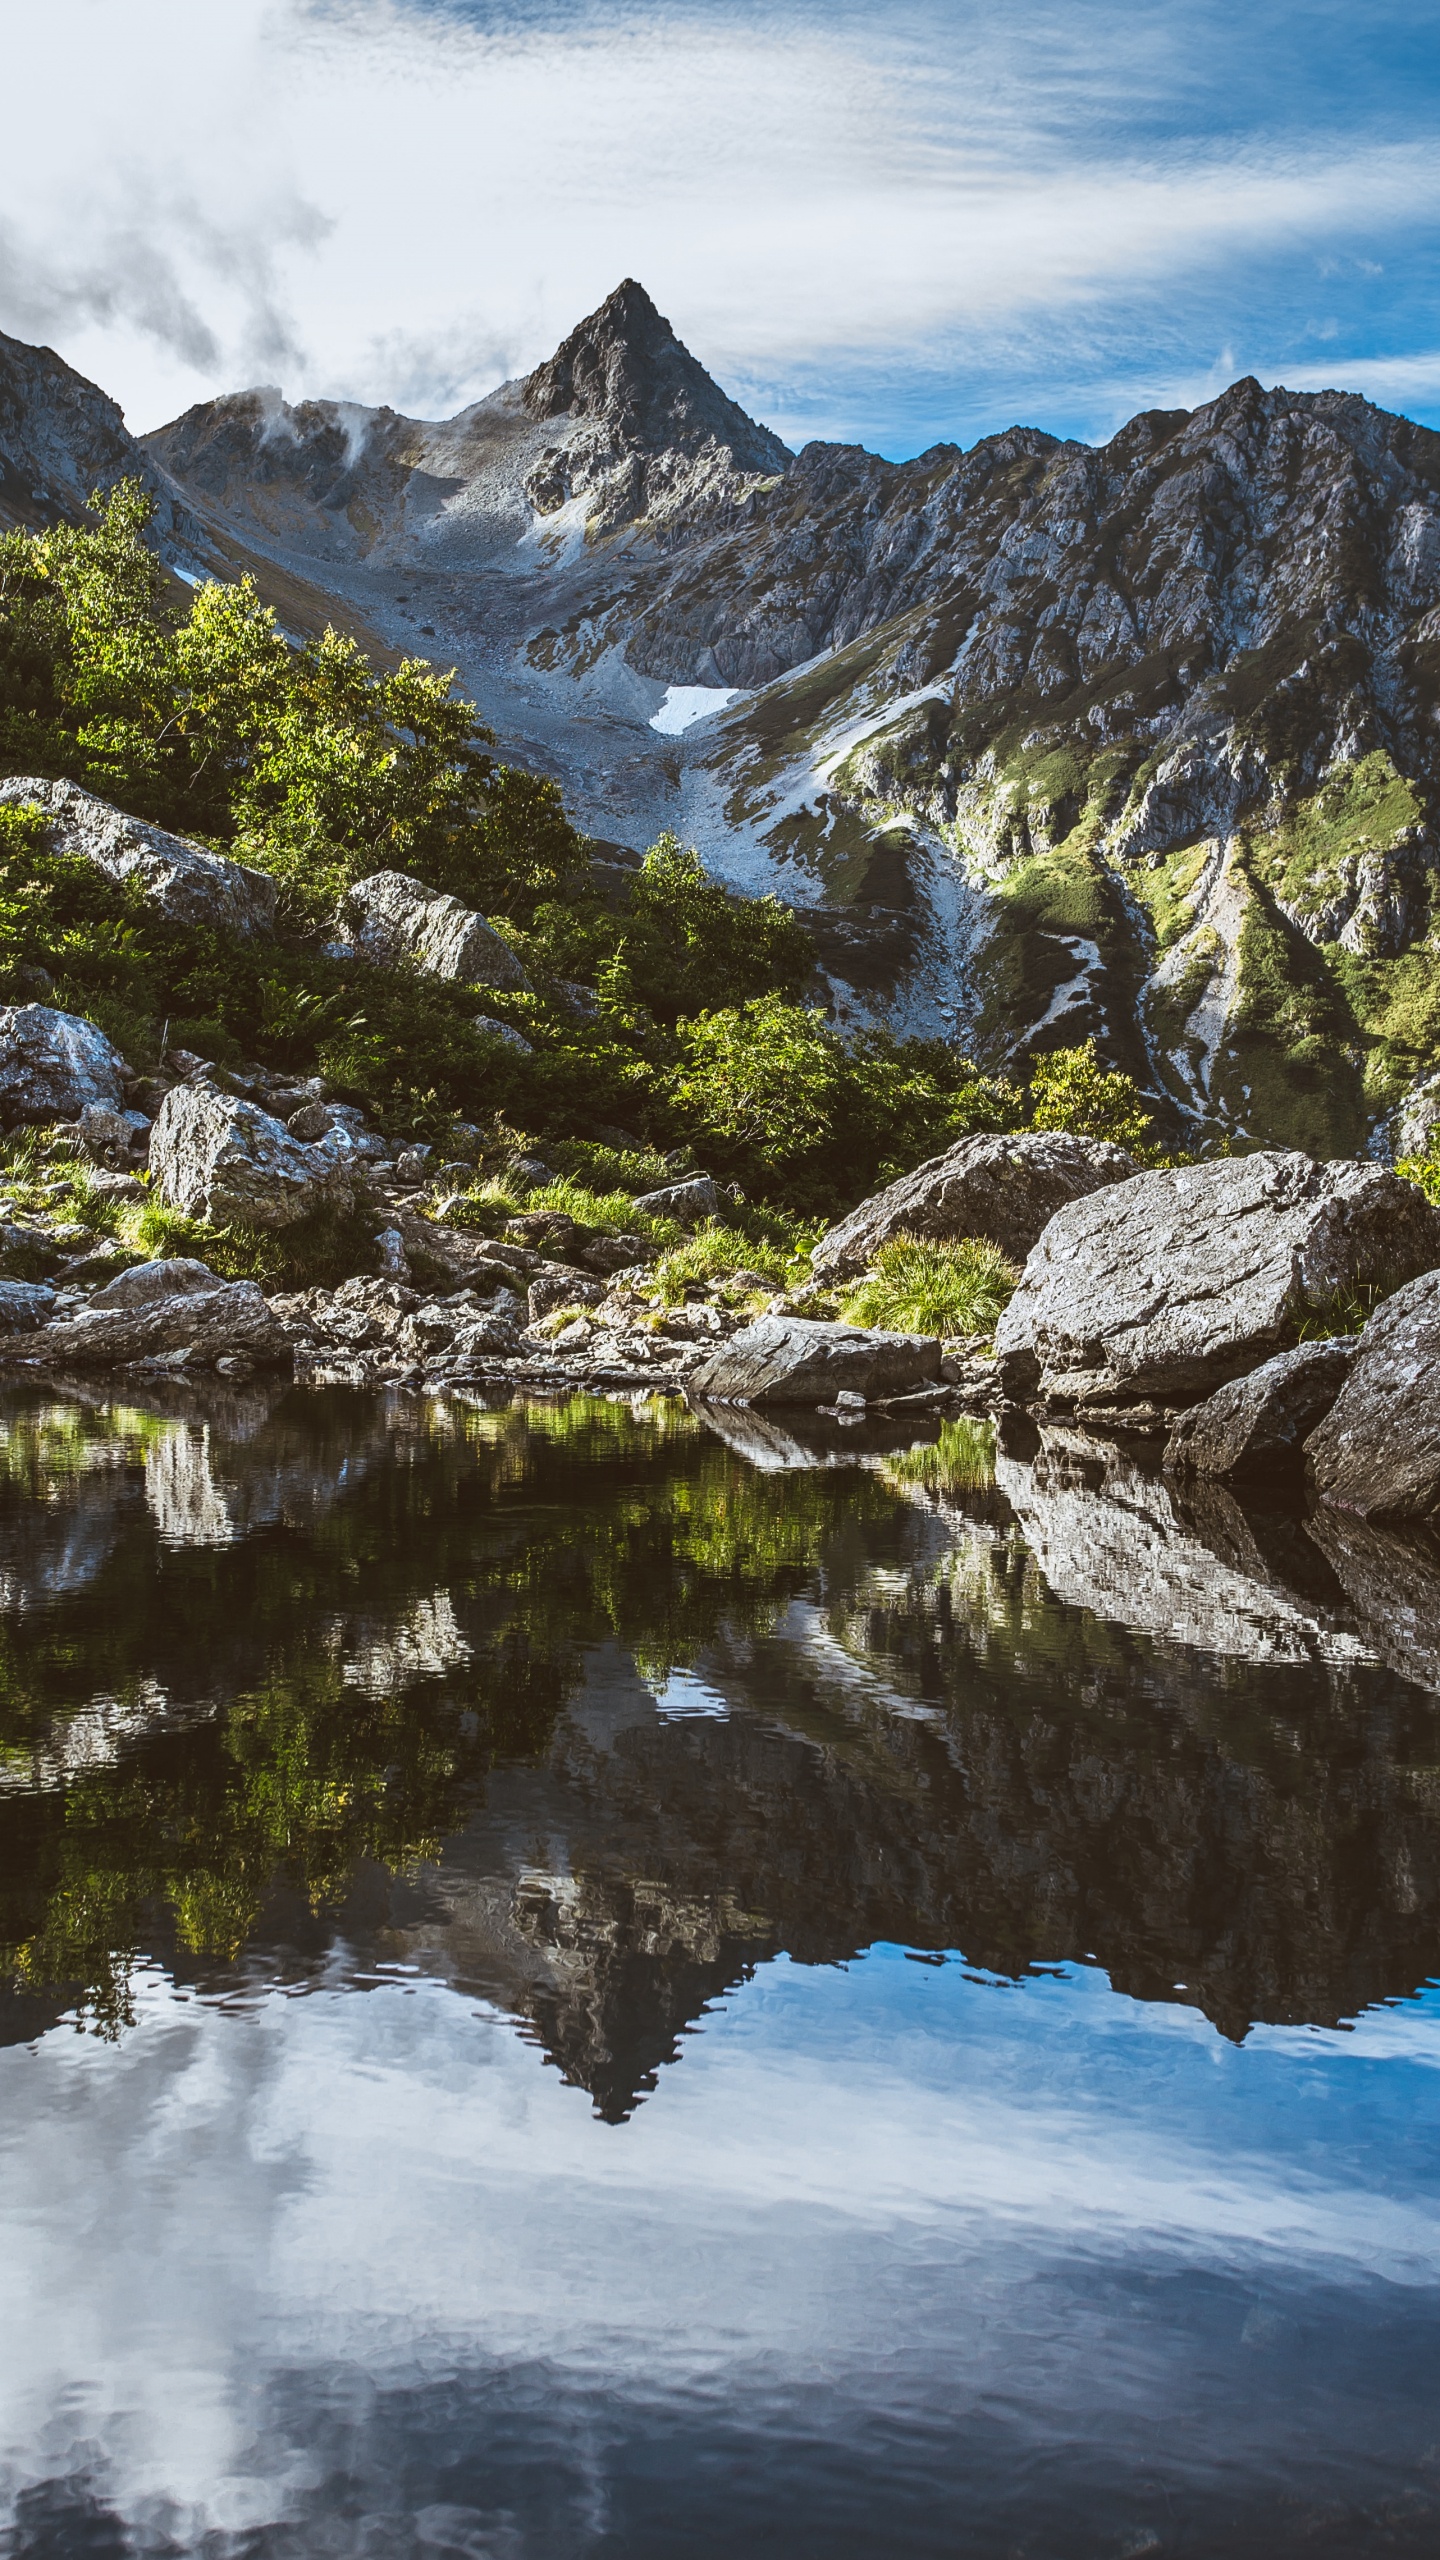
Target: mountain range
pixel 1044 739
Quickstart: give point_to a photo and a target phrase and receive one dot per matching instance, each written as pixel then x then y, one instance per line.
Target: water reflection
pixel 679 1745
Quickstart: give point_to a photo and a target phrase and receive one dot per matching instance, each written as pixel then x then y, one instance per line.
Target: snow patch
pixel 684 704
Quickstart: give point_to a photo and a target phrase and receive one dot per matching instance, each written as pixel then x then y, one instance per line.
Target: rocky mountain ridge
pixel 1048 740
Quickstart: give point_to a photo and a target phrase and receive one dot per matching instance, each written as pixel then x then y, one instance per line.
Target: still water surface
pixel 581 1987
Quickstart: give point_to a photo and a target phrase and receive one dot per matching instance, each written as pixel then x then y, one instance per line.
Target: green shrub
pixel 1071 1090
pixel 921 1287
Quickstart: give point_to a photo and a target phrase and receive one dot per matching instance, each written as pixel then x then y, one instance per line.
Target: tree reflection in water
pixel 593 1710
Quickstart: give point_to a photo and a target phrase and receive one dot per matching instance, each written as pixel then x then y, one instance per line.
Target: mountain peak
pixel 625 369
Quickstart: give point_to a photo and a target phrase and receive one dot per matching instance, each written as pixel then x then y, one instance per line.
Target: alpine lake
pixel 586 1978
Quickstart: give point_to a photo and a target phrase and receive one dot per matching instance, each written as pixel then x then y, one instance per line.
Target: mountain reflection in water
pixel 616 1726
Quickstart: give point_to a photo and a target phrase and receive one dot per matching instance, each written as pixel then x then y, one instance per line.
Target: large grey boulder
pixel 186 884
pixel 1378 1449
pixel 55 1065
pixel 165 1310
pixel 1005 1189
pixel 1391 1578
pixel 214 1156
pixel 792 1360
pixel 1151 1294
pixel 689 1201
pixel 1257 1425
pixel 24 1305
pixel 1110 1537
pixel 392 919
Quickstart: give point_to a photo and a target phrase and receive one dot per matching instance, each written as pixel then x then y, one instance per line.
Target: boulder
pixel 153 1284
pixel 1257 1426
pixel 1110 1537
pixel 393 920
pixel 1152 1293
pixel 23 1306
pixel 791 1360
pixel 54 1066
pixel 186 884
pixel 166 1310
pixel 113 1138
pixel 1006 1189
pixel 1377 1452
pixel 561 1287
pixel 687 1202
pixel 217 1157
pixel 28 1253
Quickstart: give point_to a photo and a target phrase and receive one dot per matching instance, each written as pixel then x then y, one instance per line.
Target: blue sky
pixel 889 224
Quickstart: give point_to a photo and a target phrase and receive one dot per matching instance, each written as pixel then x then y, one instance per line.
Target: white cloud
pixel 386 202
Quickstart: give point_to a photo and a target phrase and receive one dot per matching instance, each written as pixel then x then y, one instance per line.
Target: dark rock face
pixel 646 403
pixel 1154 1293
pixel 60 438
pixel 1256 1426
pixel 1006 1189
pixel 1378 1449
pixel 789 1360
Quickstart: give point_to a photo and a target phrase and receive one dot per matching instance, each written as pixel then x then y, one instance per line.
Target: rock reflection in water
pixel 404 1680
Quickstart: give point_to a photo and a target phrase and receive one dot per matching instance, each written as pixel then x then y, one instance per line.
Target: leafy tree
pixel 773 1093
pixel 687 946
pixel 1070 1089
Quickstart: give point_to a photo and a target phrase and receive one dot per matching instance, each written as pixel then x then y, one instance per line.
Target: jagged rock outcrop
pixel 1378 1449
pixel 187 884
pixel 1257 1425
pixel 792 1360
pixel 1147 1296
pixel 61 438
pixel 177 1310
pixel 55 1065
pixel 393 919
pixel 655 429
pixel 215 1156
pixel 1003 1188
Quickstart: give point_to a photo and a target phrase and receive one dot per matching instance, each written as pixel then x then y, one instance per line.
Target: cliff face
pixel 59 438
pixel 1137 741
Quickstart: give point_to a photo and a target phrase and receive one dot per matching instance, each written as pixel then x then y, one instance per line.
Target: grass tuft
pixel 712 1253
pixel 917 1286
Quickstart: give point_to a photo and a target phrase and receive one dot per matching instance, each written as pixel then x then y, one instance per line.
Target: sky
pixel 889 224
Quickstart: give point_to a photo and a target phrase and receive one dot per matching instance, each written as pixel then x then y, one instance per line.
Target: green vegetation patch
pixel 919 1286
pixel 1360 808
pixel 1291 1069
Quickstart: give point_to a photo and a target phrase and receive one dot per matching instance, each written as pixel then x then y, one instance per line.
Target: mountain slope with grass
pixel 1040 742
